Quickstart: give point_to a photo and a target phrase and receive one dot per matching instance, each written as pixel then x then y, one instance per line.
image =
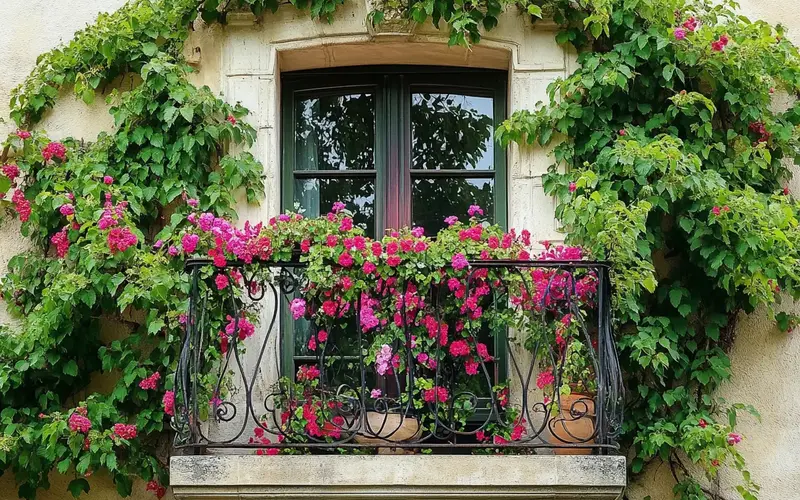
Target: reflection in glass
pixel 335 132
pixel 317 196
pixel 451 131
pixel 433 199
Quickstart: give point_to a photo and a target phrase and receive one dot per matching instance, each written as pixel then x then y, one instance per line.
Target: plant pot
pixel 389 429
pixel 574 424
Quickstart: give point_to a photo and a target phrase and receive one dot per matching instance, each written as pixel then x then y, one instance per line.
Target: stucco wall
pixel 245 60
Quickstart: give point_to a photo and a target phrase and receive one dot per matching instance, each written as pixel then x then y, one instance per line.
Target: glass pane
pixel 335 133
pixel 451 131
pixel 433 199
pixel 317 196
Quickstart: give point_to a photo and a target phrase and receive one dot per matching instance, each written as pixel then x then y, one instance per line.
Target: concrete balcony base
pixel 217 477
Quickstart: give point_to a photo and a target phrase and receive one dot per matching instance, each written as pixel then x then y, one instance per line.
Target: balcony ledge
pixel 217 477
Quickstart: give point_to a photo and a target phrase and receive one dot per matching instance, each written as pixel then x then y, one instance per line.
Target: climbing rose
pixel 459 262
pixel 10 171
pixel 719 45
pixel 120 239
pixel 21 205
pixel 79 423
pixel 124 431
pixel 108 180
pixel 61 242
pixel 393 260
pixel 150 382
pixel 23 134
pixel 221 281
pixel 544 379
pixel 734 438
pixel 786 191
pixel 192 202
pixel 169 403
pixel 679 33
pixel 471 367
pixel 715 210
pixel 436 395
pixel 305 246
pixel 67 209
pixel 369 267
pixel 459 348
pixel 54 149
pixel 690 24
pixel 298 308
pixel 189 242
pixel 474 209
pixel 173 251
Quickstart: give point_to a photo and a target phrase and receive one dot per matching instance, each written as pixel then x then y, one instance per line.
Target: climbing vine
pixel 676 166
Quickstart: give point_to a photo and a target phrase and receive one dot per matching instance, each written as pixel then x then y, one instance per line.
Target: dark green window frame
pixel 392 88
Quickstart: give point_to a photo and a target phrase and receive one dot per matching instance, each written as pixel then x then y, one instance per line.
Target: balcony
pixel 506 384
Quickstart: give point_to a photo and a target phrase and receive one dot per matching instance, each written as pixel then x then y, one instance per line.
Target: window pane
pixel 335 132
pixel 433 199
pixel 317 196
pixel 452 131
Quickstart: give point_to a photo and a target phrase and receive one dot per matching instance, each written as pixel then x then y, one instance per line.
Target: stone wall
pixel 244 61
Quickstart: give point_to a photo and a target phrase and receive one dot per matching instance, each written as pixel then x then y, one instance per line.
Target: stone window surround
pixel 252 58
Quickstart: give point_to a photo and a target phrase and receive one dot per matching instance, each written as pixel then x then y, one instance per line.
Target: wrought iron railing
pixel 531 365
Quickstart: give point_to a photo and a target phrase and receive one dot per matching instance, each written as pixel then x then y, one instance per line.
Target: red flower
pixel 459 348
pixel 702 423
pixel 169 403
pixel 572 187
pixel 345 259
pixel 719 45
pixel 435 395
pixel 544 379
pixel 716 210
pixel 54 150
pixel 231 119
pixel 394 260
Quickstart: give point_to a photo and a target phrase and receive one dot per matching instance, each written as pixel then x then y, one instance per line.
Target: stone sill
pixel 217 477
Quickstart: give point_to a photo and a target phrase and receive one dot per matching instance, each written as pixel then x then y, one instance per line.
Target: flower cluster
pixel 54 150
pixel 78 422
pixel 169 403
pixel 150 383
pixel 125 431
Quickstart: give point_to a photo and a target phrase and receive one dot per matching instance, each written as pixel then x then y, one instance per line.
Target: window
pixel 400 146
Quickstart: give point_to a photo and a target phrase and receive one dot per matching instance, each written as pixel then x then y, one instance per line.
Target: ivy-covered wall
pixel 763 359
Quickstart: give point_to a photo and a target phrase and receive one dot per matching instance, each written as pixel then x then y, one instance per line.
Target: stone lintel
pixel 217 477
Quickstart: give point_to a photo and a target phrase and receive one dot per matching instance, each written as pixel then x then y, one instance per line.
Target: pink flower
pixel 459 348
pixel 383 360
pixel 231 119
pixel 298 308
pixel 189 242
pixel 173 251
pixel 21 205
pixel 79 423
pixel 307 373
pixel 544 379
pixel 61 242
pixel 346 225
pixel 451 220
pixel 10 171
pixel 322 336
pixel 169 403
pixel 331 240
pixel 221 281
pixel 369 267
pixel 417 232
pixel 338 207
pixel 734 438
pixel 120 239
pixel 715 210
pixel 151 382
pixel 312 344
pixel 108 180
pixel 422 358
pixel 786 191
pixel 719 45
pixel 158 490
pixel 623 132
pixel 471 366
pixel 690 24
pixel 435 395
pixel 679 33
pixel 459 262
pixel 375 393
pixel 54 150
pixel 483 352
pixel 67 209
pixel 572 187
pixel 305 246
pixel 393 260
pixel 474 209
pixel 329 307
pixel 125 431
pixel 23 134
pixel 345 259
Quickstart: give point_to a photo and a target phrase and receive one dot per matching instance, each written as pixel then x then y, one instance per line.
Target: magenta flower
pixel 10 171
pixel 298 308
pixel 451 220
pixel 54 150
pixel 338 207
pixel 375 393
pixel 79 423
pixel 169 403
pixel 572 187
pixel 459 262
pixel 716 210
pixel 474 209
pixel 679 33
pixel 193 202
pixel 544 379
pixel 383 360
pixel 691 24
pixel 734 438
pixel 417 232
pixel 719 44
pixel 108 180
pixel 435 395
pixel 173 251
pixel 221 281
pixel 67 209
pixel 151 382
pixel 125 431
pixel 189 242
pixel 345 259
pixel 23 134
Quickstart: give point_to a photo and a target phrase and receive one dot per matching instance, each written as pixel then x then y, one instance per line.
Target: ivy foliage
pixel 676 159
pixel 677 163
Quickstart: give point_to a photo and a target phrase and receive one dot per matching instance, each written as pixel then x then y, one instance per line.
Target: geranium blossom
pixel 169 403
pixel 474 210
pixel 61 241
pixel 151 382
pixel 298 308
pixel 544 379
pixel 383 360
pixel 125 431
pixel 79 423
pixel 435 395
pixel 54 150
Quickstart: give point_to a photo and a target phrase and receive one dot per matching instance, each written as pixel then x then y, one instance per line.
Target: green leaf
pixel 187 113
pixel 71 368
pixel 78 486
pixel 149 48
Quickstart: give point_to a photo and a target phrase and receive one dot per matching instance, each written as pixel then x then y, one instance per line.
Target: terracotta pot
pixel 388 429
pixel 574 423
